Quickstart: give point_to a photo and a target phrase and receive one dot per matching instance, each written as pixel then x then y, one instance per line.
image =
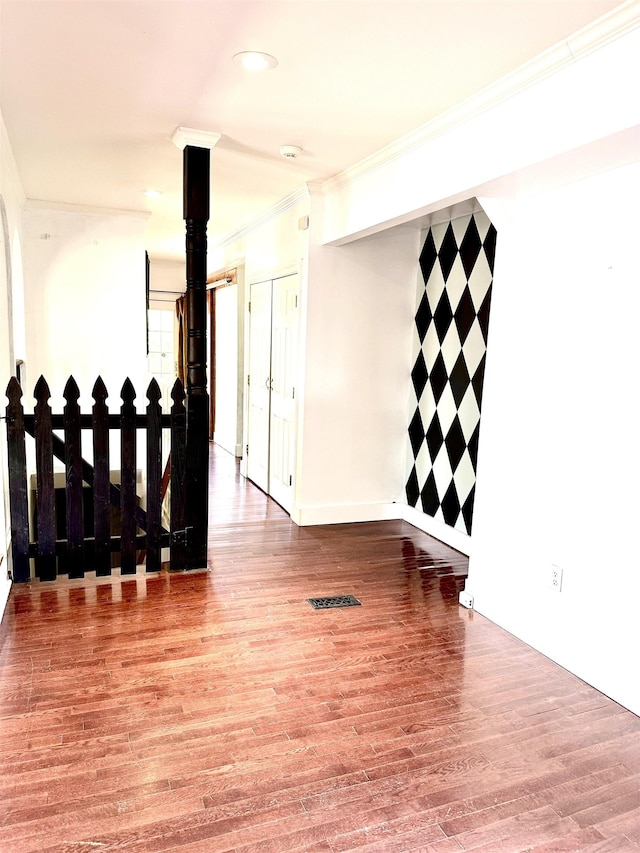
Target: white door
pixel 259 390
pixel 281 439
pixel 270 431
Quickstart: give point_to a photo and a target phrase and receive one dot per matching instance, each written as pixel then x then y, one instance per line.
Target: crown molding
pixel 34 204
pixel 618 22
pixel 596 35
pixel 183 136
pixel 275 210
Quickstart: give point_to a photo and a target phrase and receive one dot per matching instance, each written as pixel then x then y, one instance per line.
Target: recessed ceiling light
pixel 253 60
pixel 151 193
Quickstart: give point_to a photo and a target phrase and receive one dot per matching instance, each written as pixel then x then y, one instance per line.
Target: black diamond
pixel 459 380
pixel 416 433
pixel 442 316
pixel 428 256
pixel 483 314
pixel 464 315
pixel 478 381
pixel 448 252
pixel 470 247
pixel 412 488
pixel 451 505
pixel 467 509
pixel 419 375
pixel 438 377
pixel 489 246
pixel 434 437
pixel 423 317
pixel 429 495
pixel 472 447
pixel 455 443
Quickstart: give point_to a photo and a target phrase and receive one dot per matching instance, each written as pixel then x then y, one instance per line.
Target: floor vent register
pixel 333 601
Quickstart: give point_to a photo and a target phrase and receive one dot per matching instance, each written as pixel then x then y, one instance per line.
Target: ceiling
pixel 93 90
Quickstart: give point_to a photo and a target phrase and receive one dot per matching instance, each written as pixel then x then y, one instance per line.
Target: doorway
pixel 271 388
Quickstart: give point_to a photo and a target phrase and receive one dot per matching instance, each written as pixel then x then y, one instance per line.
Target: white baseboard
pixel 225 443
pixel 449 535
pixel 306 516
pixel 5 589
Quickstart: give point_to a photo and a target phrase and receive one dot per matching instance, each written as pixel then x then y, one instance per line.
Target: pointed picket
pixel 18 501
pixel 128 479
pixel 178 477
pixel 101 482
pixel 154 477
pixel 74 561
pixel 45 493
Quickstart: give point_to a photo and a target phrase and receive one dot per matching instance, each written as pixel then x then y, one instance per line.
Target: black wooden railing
pixel 187 537
pixel 88 543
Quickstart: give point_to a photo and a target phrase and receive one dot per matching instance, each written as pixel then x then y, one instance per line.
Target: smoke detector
pixel 290 152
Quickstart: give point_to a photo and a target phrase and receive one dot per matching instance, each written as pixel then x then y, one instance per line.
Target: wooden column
pixel 196 215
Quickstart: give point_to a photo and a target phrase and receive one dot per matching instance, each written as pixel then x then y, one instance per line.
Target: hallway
pixel 218 712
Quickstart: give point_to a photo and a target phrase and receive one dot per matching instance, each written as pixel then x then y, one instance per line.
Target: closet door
pixel 271 391
pixel 259 390
pixel 281 423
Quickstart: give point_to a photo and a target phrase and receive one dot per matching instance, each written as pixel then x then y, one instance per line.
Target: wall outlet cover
pixel 556 578
pixel 466 599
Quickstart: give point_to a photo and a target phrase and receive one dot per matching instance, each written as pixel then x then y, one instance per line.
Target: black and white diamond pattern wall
pixel 451 327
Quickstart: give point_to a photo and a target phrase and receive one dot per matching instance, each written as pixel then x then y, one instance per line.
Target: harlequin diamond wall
pixel 450 343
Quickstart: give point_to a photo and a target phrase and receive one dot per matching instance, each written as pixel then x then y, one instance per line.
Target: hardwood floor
pixel 219 712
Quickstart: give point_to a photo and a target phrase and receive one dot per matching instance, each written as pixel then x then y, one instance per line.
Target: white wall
pixel 273 247
pixel 355 332
pixel 559 459
pixel 85 301
pixel 582 90
pixel 6 369
pixel 167 281
pixel 360 307
pixel 11 326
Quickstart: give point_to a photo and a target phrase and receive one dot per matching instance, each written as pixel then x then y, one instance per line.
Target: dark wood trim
pixel 101 481
pixel 154 478
pixel 223 278
pixel 18 500
pixel 128 471
pixel 178 475
pixel 86 422
pixel 75 529
pixel 196 215
pixel 73 489
pixel 45 494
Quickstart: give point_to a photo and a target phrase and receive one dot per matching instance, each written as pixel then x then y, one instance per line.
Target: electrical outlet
pixel 465 599
pixel 556 578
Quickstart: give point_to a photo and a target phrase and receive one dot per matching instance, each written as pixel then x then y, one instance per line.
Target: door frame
pixel 227 278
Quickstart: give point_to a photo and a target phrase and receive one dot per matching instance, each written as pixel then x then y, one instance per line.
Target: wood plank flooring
pixel 218 712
